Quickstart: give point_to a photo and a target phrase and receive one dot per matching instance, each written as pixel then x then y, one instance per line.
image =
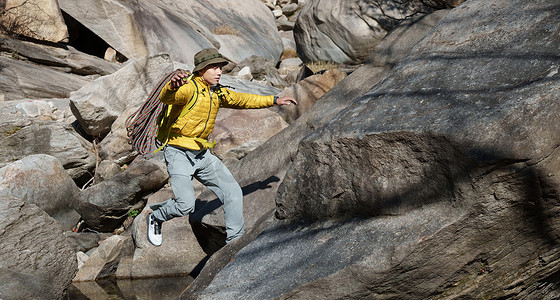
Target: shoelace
pixel 157 226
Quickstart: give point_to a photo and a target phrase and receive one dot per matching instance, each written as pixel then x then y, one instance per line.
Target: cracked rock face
pixel 37 261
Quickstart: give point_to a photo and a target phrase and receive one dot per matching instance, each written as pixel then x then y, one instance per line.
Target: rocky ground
pixel 423 147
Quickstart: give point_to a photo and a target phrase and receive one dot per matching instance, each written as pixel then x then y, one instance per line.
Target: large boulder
pixel 24 136
pixel 244 86
pixel 307 92
pixel 260 67
pixel 20 80
pixel 104 206
pixel 258 203
pixel 347 31
pixel 440 182
pixel 396 44
pixel 237 127
pixel 181 28
pixel 84 241
pixel 104 260
pixel 98 104
pixel 36 260
pixel 41 180
pixel 37 19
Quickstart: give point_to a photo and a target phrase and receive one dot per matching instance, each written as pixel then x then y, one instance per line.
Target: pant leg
pixel 215 175
pixel 181 169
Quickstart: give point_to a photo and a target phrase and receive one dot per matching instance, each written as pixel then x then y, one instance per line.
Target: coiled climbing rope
pixel 141 126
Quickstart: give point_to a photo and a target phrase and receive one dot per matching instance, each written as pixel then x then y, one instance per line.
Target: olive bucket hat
pixel 207 57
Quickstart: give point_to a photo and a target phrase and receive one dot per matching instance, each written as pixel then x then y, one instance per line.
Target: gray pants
pixel 183 165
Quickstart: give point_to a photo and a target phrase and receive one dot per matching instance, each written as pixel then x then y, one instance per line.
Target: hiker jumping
pixel 186 153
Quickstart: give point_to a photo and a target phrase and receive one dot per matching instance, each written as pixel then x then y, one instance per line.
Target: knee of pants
pixel 185 207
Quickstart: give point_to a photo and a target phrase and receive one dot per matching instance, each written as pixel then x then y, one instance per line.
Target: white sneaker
pixel 154 230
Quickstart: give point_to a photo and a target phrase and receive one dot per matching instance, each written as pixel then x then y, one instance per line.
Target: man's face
pixel 212 73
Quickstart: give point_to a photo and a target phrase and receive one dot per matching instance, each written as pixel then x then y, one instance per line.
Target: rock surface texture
pixel 425 166
pixel 259 193
pixel 347 31
pixel 98 104
pixel 28 136
pixel 440 182
pixel 22 80
pixel 37 19
pixel 36 261
pixel 41 180
pixel 104 206
pixel 238 28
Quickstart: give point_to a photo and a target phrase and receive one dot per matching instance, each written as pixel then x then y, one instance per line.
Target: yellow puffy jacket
pixel 200 120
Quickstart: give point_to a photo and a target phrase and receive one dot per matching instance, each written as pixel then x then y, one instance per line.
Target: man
pixel 186 154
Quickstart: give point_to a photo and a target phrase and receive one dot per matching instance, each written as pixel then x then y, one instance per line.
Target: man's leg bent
pixel 181 169
pixel 219 180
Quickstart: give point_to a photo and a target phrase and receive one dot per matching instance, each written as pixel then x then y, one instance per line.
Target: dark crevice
pixel 85 40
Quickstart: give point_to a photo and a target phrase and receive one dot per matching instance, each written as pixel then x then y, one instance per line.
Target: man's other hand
pixel 285 101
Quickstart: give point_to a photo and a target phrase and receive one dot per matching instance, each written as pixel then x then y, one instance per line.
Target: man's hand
pixel 285 101
pixel 178 80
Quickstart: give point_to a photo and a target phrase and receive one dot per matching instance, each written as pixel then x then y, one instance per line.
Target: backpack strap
pixel 188 107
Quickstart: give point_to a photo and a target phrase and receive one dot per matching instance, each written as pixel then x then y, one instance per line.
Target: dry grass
pixel 318 66
pixel 225 30
pixel 289 53
pixel 12 26
pixel 14 23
